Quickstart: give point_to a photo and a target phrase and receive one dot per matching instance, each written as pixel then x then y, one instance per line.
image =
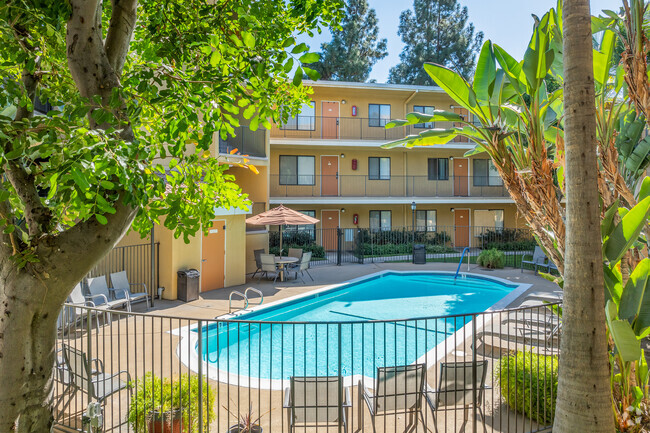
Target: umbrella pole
pixel 280 240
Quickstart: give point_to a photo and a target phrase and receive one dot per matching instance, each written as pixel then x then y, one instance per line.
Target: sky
pixel 507 23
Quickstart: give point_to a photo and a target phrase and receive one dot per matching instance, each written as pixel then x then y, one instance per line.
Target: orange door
pixel 213 254
pixel 461 176
pixel 461 225
pixel 464 113
pixel 329 170
pixel 330 119
pixel 329 223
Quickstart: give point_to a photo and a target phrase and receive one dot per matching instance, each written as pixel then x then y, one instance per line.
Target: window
pixel 296 170
pixel 378 168
pixel 486 174
pixel 305 121
pixel 425 220
pixel 305 228
pixel 425 109
pixel 491 218
pixel 438 169
pixel 378 114
pixel 380 220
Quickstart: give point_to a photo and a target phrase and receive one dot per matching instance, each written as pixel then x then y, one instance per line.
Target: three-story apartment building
pixel 328 162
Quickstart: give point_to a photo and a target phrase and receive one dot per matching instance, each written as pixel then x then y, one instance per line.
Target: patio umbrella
pixel 281 216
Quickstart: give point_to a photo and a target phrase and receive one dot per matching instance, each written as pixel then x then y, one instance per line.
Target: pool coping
pixel 190 358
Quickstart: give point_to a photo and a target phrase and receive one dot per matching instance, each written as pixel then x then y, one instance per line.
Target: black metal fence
pixel 365 245
pixel 494 371
pixel 137 261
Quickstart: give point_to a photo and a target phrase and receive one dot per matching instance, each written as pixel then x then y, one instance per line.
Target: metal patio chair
pixel 122 287
pixel 318 401
pixel 397 390
pixel 258 261
pixel 103 297
pixel 302 266
pixel 268 265
pixel 537 260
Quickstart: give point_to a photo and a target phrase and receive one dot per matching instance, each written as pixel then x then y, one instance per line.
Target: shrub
pixel 492 259
pixel 528 245
pixel 507 240
pixel 528 383
pixel 317 251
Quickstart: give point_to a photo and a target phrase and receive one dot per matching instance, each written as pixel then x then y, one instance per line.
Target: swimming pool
pixel 389 318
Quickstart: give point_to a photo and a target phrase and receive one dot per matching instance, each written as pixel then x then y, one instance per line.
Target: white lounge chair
pixel 101 296
pixel 302 266
pixel 460 384
pixel 122 287
pixel 397 390
pixel 268 265
pixel 320 401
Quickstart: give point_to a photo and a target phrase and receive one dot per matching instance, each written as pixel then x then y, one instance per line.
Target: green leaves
pixel 485 74
pixel 625 233
pixel 453 84
pixel 635 290
pixel 625 340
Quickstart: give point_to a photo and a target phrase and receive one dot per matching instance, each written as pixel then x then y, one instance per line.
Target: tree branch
pixel 37 216
pixel 120 31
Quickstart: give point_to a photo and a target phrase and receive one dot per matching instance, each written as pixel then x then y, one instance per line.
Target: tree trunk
pixel 583 397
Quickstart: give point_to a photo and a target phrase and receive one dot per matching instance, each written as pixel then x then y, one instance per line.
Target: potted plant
pixel 161 405
pixel 246 424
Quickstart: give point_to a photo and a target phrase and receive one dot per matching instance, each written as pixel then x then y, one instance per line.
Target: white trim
pixel 187 353
pixel 338 178
pixel 220 211
pixel 389 200
pixel 338 116
pixel 469 225
pixel 340 142
pixel 374 86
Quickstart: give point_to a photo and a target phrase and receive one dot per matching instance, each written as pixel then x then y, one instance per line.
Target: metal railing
pixel 136 260
pixel 350 128
pixel 247 142
pixel 394 186
pixel 218 371
pixel 371 245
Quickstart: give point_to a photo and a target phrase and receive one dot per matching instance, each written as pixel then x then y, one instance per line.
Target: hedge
pixel 317 251
pixel 528 383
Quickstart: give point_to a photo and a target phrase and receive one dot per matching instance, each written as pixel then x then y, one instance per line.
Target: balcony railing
pixel 350 128
pixel 247 142
pixel 395 186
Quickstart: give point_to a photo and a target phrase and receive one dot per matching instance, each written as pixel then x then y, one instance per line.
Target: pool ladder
pixel 244 296
pixel 462 256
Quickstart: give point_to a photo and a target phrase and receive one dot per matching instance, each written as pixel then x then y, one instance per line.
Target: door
pixel 461 227
pixel 213 255
pixel 330 119
pixel 461 177
pixel 329 223
pixel 329 171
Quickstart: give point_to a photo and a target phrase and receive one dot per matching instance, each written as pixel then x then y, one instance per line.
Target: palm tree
pixel 583 399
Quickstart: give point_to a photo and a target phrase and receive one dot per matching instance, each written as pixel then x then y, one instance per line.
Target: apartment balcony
pixel 350 128
pixel 362 186
pixel 247 142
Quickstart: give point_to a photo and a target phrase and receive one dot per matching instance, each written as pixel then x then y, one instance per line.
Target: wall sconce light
pixel 342 210
pixel 451 209
pixel 343 101
pixel 343 155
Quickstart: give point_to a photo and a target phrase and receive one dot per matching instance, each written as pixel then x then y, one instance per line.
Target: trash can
pixel 419 254
pixel 188 285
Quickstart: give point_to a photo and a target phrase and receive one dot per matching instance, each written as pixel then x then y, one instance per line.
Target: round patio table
pixel 281 261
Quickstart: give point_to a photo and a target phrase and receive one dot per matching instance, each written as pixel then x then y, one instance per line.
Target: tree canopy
pixel 435 31
pixel 355 46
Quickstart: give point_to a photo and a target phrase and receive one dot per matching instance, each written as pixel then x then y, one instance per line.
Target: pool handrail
pixel 253 289
pixel 461 262
pixel 236 292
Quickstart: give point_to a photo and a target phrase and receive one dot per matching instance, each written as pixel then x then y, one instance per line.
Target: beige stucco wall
pixel 255 241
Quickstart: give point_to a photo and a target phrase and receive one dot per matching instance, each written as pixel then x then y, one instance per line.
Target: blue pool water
pixel 363 318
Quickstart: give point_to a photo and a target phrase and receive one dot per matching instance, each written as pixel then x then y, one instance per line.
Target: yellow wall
pixel 255 241
pixel 235 249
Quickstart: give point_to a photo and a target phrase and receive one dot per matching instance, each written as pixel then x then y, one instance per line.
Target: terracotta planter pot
pixel 165 423
pixel 238 428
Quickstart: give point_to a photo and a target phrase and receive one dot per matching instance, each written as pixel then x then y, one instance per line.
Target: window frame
pixel 311 228
pixel 379 174
pixel 295 125
pixel 426 125
pixel 429 174
pixel 426 218
pixel 476 179
pixel 297 183
pixel 378 122
pixel 380 228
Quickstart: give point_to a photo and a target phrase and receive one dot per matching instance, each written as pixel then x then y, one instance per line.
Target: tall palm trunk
pixel 583 398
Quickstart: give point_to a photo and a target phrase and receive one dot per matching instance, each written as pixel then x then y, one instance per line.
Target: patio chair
pixel 317 401
pixel 537 260
pixel 458 386
pixel 302 266
pixel 122 287
pixel 268 265
pixel 397 390
pixel 541 335
pixel 295 252
pixel 90 377
pixel 101 297
pixel 258 260
pixel 70 315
